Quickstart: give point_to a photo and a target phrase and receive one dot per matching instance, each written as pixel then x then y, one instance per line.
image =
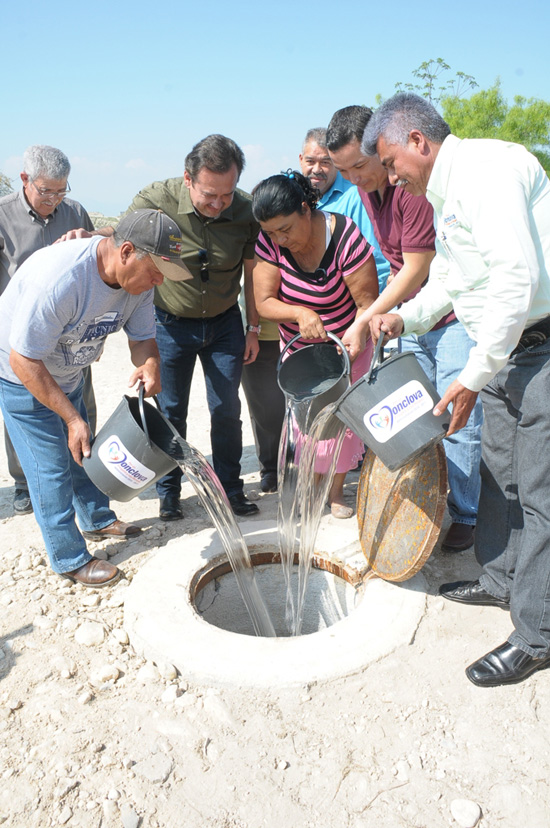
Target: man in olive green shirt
pixel 200 317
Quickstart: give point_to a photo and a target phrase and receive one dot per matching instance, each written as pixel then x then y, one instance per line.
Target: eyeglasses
pixel 203 259
pixel 51 193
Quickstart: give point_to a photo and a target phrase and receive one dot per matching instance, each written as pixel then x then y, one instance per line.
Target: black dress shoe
pixel 504 665
pixel 459 537
pixel 471 592
pixel 170 507
pixel 242 506
pixel 22 502
pixel 268 483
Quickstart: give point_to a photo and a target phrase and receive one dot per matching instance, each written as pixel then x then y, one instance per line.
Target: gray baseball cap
pixel 160 236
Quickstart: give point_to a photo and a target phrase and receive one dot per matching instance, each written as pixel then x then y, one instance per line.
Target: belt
pixel 534 335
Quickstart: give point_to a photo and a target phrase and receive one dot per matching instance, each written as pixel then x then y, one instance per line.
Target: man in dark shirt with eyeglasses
pixel 32 218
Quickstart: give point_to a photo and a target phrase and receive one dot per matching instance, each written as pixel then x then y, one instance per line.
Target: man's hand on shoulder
pixel 81 233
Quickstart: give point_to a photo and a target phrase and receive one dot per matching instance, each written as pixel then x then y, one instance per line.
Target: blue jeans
pixel 219 344
pixel 513 529
pixel 442 354
pixel 59 488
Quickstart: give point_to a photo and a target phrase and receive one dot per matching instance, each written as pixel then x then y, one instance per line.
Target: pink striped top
pixel 325 291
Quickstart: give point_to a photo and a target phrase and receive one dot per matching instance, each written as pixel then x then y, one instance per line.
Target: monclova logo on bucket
pixel 124 466
pixel 398 410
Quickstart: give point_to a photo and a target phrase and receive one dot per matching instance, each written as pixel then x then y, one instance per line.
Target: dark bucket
pixel 317 372
pixel 390 409
pixel 126 457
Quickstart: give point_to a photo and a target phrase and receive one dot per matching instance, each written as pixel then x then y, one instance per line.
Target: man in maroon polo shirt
pixel 404 226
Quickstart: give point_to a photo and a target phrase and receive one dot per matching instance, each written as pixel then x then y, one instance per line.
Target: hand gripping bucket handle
pixel 377 357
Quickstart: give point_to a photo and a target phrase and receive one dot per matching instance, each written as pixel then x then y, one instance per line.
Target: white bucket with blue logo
pixel 125 457
pixel 390 409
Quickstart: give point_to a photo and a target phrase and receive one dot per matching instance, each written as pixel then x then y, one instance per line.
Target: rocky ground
pixel 91 735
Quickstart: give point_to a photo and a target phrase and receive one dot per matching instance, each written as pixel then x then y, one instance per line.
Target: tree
pixel 430 84
pixel 487 114
pixel 5 185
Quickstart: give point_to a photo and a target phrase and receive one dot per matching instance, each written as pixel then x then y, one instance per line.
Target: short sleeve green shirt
pixel 228 240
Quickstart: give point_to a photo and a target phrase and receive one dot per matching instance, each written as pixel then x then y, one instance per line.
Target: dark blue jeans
pixel 219 344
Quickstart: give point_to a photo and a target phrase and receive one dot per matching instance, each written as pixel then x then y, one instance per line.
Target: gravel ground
pixel 92 735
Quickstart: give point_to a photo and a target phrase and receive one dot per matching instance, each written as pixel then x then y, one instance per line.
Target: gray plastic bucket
pixel 125 457
pixel 316 372
pixel 390 409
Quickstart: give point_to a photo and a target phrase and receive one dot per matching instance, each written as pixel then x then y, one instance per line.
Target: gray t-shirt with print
pixel 58 309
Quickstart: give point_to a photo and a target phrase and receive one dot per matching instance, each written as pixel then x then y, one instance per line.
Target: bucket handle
pixel 377 357
pixel 141 392
pixel 347 363
pixel 175 432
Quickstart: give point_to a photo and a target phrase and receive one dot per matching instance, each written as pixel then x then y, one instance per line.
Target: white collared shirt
pixel 491 201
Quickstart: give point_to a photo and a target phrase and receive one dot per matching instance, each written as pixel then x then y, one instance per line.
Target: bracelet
pixel 254 329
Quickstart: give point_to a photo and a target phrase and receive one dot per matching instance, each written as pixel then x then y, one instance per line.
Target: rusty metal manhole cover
pixel 400 512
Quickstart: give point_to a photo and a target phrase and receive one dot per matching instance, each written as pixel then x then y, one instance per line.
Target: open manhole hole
pixel 330 595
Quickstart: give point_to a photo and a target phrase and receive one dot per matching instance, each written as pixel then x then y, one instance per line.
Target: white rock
pixel 465 812
pixel 170 694
pixel 42 622
pixel 92 600
pixel 110 809
pixel 116 599
pixel 14 704
pixel 113 794
pixel 148 672
pixel 25 562
pixel 120 635
pixel 90 633
pixel 64 816
pixel 108 672
pixel 64 666
pixel 69 624
pixel 129 817
pixel 85 697
pixel 167 671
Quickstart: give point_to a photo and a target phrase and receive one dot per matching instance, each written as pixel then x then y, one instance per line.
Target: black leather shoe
pixel 471 592
pixel 170 507
pixel 268 483
pixel 22 502
pixel 505 665
pixel 459 537
pixel 242 506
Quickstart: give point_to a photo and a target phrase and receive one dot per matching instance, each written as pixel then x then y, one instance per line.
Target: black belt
pixel 534 335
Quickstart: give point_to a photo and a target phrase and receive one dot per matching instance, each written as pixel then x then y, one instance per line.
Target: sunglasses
pixel 203 259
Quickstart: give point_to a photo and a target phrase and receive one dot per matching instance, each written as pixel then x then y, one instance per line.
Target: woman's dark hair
pixel 282 195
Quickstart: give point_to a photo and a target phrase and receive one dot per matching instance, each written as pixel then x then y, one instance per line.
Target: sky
pixel 126 89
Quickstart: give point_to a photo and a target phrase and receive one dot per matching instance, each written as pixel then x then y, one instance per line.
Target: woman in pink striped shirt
pixel 314 272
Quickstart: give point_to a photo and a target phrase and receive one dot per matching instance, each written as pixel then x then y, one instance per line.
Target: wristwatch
pixel 254 328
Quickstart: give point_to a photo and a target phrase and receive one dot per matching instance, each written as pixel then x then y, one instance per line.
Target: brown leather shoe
pixel 117 529
pixel 95 573
pixel 459 537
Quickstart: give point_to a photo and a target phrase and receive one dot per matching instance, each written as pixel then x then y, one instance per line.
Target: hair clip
pixel 288 173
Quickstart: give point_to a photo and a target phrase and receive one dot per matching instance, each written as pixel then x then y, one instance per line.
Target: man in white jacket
pixel 491 201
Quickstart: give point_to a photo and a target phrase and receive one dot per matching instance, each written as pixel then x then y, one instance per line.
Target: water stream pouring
pixel 311 378
pixel 138 445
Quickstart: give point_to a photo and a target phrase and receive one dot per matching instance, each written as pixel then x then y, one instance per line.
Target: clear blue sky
pixel 126 88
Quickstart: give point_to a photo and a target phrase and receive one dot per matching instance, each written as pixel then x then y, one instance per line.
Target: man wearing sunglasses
pixel 32 218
